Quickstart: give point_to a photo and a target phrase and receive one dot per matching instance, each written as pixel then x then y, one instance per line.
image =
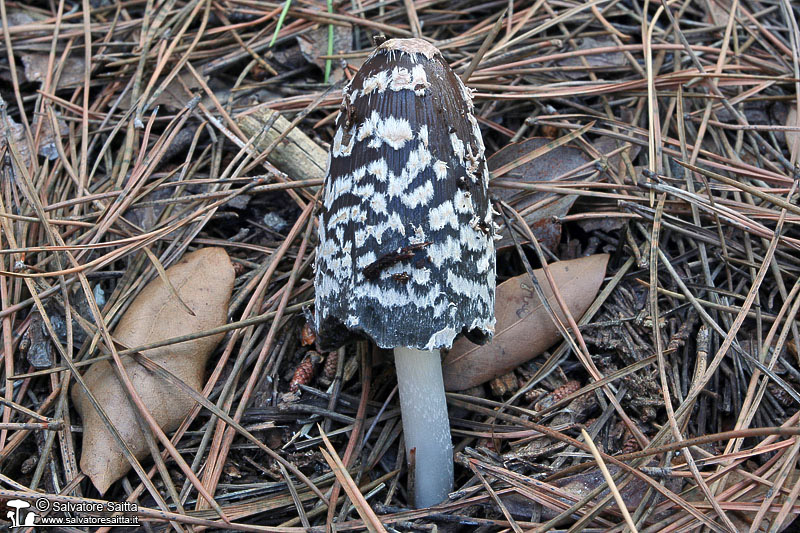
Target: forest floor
pixel 654 143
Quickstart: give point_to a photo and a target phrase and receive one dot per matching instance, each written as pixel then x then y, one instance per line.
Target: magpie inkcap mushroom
pixel 406 238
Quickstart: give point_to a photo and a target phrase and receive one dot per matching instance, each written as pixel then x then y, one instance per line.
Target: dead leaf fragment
pixel 47 135
pixel 575 487
pixel 71 72
pixel 14 134
pixel 717 14
pixel 204 280
pixel 314 44
pixel 606 145
pixel 524 329
pixel 545 206
pixel 18 16
pixel 597 60
pixel 177 93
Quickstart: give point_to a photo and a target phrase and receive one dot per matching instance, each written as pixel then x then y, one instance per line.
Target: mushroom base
pixel 426 425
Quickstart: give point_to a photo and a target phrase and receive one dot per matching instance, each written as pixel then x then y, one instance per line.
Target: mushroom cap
pixel 406 237
pixel 18 504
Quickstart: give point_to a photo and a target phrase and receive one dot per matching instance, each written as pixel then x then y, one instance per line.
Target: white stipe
pixel 426 426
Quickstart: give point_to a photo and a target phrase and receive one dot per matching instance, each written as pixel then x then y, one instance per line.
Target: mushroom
pixel 406 238
pixel 13 516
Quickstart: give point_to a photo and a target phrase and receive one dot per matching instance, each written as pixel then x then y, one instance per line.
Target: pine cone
pixel 304 372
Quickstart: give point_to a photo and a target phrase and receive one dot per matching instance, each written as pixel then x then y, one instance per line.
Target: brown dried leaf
pixel 204 280
pixel 36 69
pixel 606 144
pixel 545 168
pixel 578 485
pixel 314 44
pixel 524 328
pixel 47 136
pixel 604 60
pixel 175 96
pixel 717 14
pixel 177 93
pixel 14 134
pixel 17 17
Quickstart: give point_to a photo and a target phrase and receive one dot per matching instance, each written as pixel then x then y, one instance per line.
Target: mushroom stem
pixel 426 425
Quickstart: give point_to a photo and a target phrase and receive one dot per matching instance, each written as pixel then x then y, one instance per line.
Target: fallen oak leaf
pixel 204 280
pixel 314 44
pixel 12 135
pixel 539 209
pixel 575 487
pixel 70 69
pixel 165 278
pixel 524 329
pixel 575 67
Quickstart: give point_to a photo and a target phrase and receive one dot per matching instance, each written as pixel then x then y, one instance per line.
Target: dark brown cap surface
pixel 406 253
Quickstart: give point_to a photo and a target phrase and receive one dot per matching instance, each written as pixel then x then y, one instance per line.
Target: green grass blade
pixel 330 44
pixel 285 10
